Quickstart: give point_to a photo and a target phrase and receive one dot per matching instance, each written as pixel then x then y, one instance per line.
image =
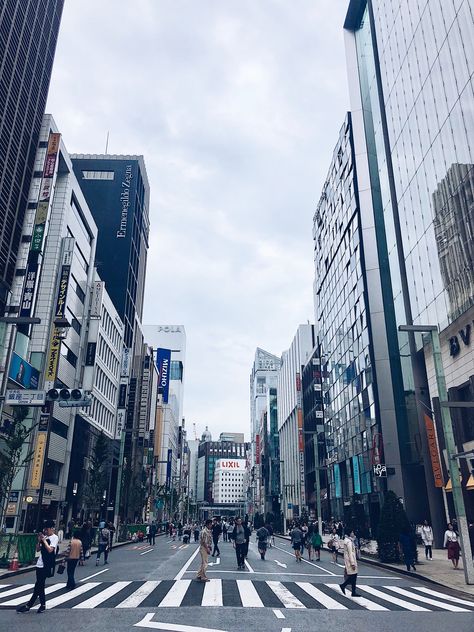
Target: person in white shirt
pixel 451 541
pixel 47 546
pixel 427 537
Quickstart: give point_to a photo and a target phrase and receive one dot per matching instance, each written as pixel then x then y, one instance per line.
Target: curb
pixel 401 571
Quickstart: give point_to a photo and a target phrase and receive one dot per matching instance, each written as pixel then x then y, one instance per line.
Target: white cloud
pixel 236 106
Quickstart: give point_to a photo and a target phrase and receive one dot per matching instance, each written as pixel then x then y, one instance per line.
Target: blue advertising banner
pixel 163 364
pixel 168 468
pixel 356 469
pixel 22 373
pixel 337 481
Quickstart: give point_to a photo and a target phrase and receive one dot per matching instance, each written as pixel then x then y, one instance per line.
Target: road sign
pixel 81 403
pixel 24 397
pixel 380 470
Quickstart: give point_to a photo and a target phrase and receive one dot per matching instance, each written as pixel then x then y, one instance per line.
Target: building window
pixel 98 175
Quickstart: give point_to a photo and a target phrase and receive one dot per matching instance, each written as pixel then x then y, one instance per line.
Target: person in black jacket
pixel 216 532
pixel 248 532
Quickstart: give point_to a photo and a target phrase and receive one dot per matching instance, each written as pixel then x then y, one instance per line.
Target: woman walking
pixel 451 540
pixel 427 537
pixel 333 544
pixel 350 564
pixel 408 546
pixel 239 543
pixel 316 543
pixel 74 555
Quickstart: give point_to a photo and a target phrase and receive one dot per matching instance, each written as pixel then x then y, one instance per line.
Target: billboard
pixel 45 192
pixel 163 364
pixel 26 303
pixel 22 373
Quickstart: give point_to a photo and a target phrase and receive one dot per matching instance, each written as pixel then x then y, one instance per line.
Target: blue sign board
pixel 356 469
pixel 337 481
pixel 163 364
pixel 22 373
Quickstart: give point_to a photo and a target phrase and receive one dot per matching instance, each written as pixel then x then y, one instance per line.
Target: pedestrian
pixel 61 532
pixel 103 543
pixel 85 537
pixel 333 544
pixel 70 526
pixel 112 534
pixel 224 531
pixel 408 546
pixel 427 537
pixel 153 530
pixel 74 554
pixel 196 532
pixel 248 533
pixel 148 534
pixel 451 541
pixel 216 532
pixel 350 564
pixel 271 538
pixel 205 545
pixel 47 545
pixel 262 537
pixel 317 543
pixel 296 536
pixel 239 543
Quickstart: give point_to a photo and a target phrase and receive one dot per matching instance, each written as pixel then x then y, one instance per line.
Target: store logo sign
pixel 455 345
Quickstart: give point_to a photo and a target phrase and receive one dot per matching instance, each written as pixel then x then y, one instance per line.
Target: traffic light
pixel 66 397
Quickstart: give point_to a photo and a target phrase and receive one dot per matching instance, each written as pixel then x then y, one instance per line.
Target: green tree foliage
pixel 393 520
pixel 13 453
pixel 97 482
pixel 356 518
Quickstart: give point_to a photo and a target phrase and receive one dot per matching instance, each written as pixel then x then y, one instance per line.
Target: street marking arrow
pixel 147 622
pixel 281 564
pixel 218 561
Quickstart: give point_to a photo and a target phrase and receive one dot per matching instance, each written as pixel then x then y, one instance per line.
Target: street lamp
pixel 458 498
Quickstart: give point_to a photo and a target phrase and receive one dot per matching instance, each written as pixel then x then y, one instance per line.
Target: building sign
pixel 122 400
pixel 434 452
pixel 125 368
pixel 302 479
pixel 20 397
pixel 120 423
pixel 90 353
pixel 52 359
pixel 464 336
pixel 380 470
pixel 45 192
pixel 125 202
pixel 60 311
pixel 38 460
pixel 11 509
pixel 22 373
pixel 170 329
pixel 168 468
pixel 26 303
pixel 96 299
pixel 163 364
pixel 356 471
pixel 257 449
pixel 337 481
pixel 236 464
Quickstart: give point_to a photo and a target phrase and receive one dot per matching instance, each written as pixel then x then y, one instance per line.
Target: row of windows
pixel 110 328
pixel 106 354
pixel 98 175
pixel 104 384
pixel 102 415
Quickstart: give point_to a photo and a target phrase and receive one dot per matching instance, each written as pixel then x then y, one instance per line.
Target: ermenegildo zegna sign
pixel 125 202
pixel 463 336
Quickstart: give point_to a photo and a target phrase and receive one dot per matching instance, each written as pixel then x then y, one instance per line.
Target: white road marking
pixel 16 590
pixel 362 601
pixel 399 602
pixel 135 599
pixel 145 552
pixel 20 600
pixel 216 563
pixel 290 573
pixel 320 596
pixel 431 602
pixel 278 614
pixel 248 594
pixel 175 596
pixel 57 601
pixel 94 575
pixel 280 564
pixel 434 593
pixel 249 567
pixel 284 595
pixel 186 565
pixel 286 630
pixel 321 568
pixel 212 593
pixel 96 600
pixel 147 622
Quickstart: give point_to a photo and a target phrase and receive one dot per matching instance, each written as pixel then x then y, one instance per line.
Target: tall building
pixel 228 484
pixel 28 35
pixel 290 421
pixel 411 69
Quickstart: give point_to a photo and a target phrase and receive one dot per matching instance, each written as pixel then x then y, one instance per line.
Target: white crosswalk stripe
pixel 232 593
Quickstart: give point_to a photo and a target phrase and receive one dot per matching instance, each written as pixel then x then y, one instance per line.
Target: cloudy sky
pixel 236 106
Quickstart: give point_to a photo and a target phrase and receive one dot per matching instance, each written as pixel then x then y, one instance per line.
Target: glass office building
pixel 28 35
pixel 410 67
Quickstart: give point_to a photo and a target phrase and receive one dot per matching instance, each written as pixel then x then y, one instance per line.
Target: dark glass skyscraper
pixel 28 35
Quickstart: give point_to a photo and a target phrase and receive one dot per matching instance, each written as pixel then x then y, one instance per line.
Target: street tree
pixel 393 520
pixel 97 479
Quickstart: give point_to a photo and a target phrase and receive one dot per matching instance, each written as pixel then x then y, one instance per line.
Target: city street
pixel 153 588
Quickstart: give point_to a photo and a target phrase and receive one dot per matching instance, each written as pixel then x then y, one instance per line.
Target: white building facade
pixel 228 485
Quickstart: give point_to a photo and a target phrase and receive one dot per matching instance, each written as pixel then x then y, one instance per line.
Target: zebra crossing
pixel 237 593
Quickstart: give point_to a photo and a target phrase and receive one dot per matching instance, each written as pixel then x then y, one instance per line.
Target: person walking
pixel 153 529
pixel 316 543
pixel 296 536
pixel 47 546
pixel 408 546
pixel 205 544
pixel 74 554
pixel 103 543
pixel 350 564
pixel 111 528
pixel 216 533
pixel 262 537
pixel 196 532
pixel 239 543
pixel 85 537
pixel 427 537
pixel 61 532
pixel 148 534
pixel 333 544
pixel 248 533
pixel 451 541
pixel 224 531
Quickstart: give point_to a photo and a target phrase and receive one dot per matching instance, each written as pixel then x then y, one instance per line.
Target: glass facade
pixel 343 328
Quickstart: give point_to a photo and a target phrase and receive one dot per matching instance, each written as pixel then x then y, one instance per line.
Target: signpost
pixel 23 397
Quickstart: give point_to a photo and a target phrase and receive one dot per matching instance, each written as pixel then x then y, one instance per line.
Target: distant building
pixel 209 453
pixel 236 437
pixel 228 484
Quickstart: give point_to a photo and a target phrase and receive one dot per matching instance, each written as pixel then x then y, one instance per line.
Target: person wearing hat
pixel 104 542
pixel 47 546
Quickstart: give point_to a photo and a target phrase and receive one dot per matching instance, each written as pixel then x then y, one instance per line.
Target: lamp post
pixel 458 498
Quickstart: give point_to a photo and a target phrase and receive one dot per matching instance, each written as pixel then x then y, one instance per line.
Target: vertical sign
pixel 168 468
pixel 45 193
pixel 434 452
pixel 257 449
pixel 38 460
pixel 356 470
pixel 299 413
pixel 96 299
pixel 337 481
pixel 26 304
pixel 163 364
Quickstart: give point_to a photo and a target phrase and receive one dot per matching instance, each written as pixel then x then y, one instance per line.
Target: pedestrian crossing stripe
pixel 236 593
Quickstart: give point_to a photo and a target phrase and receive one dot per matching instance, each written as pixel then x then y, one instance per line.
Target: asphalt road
pixel 146 587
